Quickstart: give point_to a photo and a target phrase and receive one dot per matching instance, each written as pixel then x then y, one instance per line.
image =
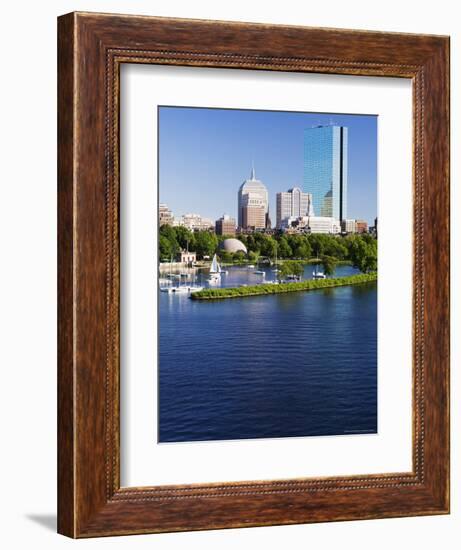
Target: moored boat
pixel 214 279
pixel 316 274
pixel 185 289
pixel 293 278
pixel 215 272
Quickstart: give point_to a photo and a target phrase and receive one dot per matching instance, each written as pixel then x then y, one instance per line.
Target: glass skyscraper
pixel 325 170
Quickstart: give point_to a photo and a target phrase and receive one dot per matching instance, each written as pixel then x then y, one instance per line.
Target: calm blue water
pixel 300 364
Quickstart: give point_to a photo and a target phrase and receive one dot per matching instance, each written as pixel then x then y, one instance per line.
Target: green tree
pixel 268 246
pixel 185 238
pixel 169 232
pixel 205 243
pixel 253 243
pixel 253 257
pixel 244 240
pixel 334 246
pixel 168 245
pixel 284 249
pixel 165 248
pixel 364 253
pixel 239 257
pixel 369 239
pixel 329 264
pixel 226 256
pixel 300 246
pixel 290 267
pixel 317 242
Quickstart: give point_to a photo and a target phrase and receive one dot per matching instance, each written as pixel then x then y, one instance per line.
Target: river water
pixel 283 365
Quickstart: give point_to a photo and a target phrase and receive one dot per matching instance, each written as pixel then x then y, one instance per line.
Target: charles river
pixel 284 365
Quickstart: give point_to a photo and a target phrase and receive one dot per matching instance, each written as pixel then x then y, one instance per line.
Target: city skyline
pixel 212 145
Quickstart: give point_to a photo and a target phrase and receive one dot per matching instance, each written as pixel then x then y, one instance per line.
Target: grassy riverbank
pixel 264 289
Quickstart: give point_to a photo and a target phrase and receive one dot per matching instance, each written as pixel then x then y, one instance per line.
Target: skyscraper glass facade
pixel 325 170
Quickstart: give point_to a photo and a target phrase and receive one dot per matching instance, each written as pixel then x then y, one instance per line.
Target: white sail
pixel 215 267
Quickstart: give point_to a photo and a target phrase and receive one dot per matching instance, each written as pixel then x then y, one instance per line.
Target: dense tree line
pixel 361 250
pixel 174 239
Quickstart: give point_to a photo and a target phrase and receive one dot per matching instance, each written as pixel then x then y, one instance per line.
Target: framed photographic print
pixel 253 275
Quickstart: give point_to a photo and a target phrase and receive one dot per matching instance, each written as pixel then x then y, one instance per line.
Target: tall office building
pixel 293 204
pixel 253 204
pixel 325 170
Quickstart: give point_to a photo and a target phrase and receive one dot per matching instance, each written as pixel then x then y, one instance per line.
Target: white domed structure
pixel 233 246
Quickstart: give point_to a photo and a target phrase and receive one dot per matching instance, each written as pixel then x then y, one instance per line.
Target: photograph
pixel 267 274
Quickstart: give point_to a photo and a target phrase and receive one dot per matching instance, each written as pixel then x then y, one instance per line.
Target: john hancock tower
pixel 325 170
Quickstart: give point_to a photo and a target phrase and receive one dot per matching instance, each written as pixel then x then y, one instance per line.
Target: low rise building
pixel 312 224
pixel 195 222
pixel 362 226
pixel 348 226
pixel 165 215
pixel 225 226
pixel 186 257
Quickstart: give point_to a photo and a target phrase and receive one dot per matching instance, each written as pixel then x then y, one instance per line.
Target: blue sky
pixel 205 154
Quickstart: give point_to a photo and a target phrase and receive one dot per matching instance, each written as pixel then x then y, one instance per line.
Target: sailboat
pixel 180 288
pixel 275 263
pixel 316 274
pixel 164 282
pixel 215 272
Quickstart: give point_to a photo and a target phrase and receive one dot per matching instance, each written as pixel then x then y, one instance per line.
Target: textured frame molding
pixel 91 49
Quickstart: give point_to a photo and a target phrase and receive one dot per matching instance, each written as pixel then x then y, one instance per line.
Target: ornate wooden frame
pixel 91 49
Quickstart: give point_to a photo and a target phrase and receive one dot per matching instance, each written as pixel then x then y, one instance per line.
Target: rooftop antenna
pixel 253 177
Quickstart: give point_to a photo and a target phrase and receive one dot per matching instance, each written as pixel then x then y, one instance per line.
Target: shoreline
pixel 269 289
pixel 204 264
